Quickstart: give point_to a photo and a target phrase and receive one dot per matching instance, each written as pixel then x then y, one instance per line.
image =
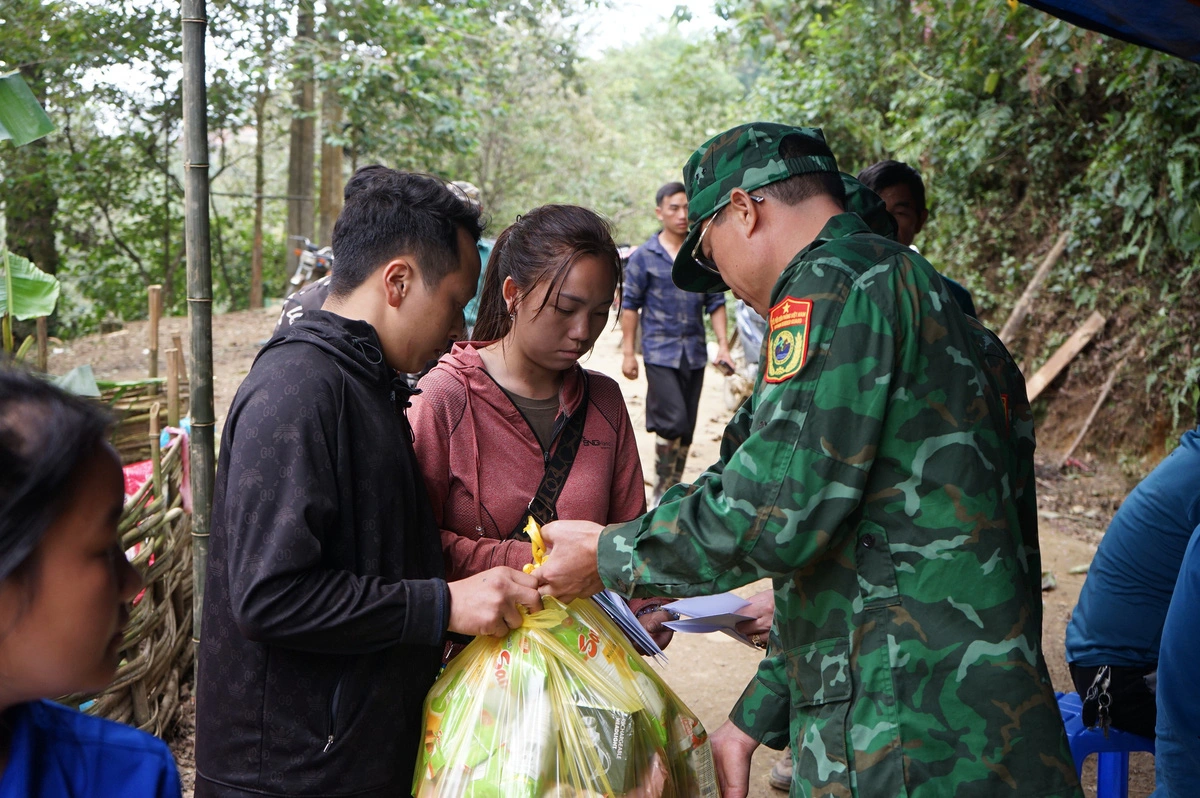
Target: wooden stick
pixel 1065 354
pixel 1021 309
pixel 43 339
pixel 1104 390
pixel 177 342
pixel 154 295
pixel 172 387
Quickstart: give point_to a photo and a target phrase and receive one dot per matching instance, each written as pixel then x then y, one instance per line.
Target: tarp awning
pixel 1172 26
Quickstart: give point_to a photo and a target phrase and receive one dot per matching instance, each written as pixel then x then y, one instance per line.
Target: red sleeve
pixel 627 499
pixel 434 415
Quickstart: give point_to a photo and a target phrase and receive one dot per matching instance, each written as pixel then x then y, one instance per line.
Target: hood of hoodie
pixel 352 344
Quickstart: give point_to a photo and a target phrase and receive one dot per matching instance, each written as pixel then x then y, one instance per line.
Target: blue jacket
pixel 60 753
pixel 1119 617
pixel 1177 731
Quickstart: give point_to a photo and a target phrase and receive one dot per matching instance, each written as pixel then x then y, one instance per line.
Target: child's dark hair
pixel 399 213
pixel 45 434
pixel 886 174
pixel 541 245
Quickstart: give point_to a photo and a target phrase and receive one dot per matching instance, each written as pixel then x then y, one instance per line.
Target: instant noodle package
pixel 562 707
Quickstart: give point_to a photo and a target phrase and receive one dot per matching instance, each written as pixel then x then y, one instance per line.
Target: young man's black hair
pixel 362 177
pixel 400 213
pixel 668 190
pixel 879 176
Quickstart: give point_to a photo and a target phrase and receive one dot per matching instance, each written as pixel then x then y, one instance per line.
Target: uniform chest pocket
pixel 821 680
pixel 876 570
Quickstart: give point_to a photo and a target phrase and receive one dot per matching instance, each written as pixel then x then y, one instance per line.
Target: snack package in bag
pixel 562 707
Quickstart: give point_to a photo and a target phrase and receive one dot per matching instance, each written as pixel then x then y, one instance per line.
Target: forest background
pixel 1022 125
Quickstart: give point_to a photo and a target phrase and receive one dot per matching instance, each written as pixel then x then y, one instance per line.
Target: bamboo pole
pixel 177 342
pixel 43 345
pixel 199 269
pixel 172 387
pixel 1021 309
pixel 154 297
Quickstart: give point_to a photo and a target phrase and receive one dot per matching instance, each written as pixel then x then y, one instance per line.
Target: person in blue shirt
pixel 65 588
pixel 1177 747
pixel 1114 633
pixel 674 348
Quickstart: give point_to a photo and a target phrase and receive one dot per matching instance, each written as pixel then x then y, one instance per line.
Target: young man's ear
pixel 922 217
pixel 398 275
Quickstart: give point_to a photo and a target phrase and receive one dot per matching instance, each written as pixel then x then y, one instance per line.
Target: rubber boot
pixel 666 452
pixel 681 461
pixel 780 777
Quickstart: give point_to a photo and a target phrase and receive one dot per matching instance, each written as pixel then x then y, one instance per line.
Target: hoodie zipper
pixel 333 713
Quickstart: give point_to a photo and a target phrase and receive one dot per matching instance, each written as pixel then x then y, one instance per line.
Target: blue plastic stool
pixel 1112 763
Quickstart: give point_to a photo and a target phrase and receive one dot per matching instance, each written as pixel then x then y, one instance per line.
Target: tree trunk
pixel 256 252
pixel 260 134
pixel 30 200
pixel 331 162
pixel 331 131
pixel 303 143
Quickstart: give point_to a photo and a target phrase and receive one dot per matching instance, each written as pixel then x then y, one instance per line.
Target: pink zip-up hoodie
pixel 482 463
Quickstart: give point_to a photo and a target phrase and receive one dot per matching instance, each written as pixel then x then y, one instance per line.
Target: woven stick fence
pixel 131 402
pixel 157 653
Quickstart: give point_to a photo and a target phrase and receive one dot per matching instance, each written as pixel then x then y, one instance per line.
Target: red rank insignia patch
pixel 788 338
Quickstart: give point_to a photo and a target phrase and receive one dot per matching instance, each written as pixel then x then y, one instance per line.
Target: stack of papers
pixel 624 618
pixel 710 614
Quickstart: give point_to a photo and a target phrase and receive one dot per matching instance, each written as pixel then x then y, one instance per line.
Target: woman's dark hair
pixel 390 213
pixel 45 433
pixel 544 244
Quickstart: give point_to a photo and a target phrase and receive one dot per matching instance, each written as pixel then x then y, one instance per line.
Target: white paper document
pixel 710 614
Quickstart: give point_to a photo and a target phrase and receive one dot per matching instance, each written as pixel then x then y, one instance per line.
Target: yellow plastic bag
pixel 562 707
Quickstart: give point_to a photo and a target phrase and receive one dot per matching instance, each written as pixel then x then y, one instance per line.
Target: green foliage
pixel 1022 125
pixel 21 116
pixel 605 136
pixel 26 292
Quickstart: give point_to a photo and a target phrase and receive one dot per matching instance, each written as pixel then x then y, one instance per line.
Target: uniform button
pixel 868 541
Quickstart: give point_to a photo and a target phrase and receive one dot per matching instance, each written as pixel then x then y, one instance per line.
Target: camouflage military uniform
pixel 882 475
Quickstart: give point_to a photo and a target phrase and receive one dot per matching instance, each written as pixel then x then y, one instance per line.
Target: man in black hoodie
pixel 325 606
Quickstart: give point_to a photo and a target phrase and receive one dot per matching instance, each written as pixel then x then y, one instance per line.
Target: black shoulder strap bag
pixel 544 506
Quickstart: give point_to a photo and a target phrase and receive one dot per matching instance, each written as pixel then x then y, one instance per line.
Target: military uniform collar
pixel 840 226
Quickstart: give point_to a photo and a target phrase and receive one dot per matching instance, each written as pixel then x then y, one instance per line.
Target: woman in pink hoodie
pixel 492 413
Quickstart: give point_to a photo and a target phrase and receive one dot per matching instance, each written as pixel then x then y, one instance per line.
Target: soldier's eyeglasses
pixel 705 262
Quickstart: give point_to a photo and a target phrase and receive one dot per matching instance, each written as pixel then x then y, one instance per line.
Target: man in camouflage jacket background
pixel 881 473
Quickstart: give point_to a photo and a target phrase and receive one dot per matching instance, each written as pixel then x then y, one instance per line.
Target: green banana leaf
pixel 21 116
pixel 26 291
pixel 79 380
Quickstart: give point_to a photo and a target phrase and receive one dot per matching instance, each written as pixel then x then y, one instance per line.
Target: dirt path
pixel 708 671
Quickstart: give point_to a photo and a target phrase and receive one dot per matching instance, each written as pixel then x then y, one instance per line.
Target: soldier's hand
pixel 732 749
pixel 629 367
pixel 486 603
pixel 761 610
pixel 569 570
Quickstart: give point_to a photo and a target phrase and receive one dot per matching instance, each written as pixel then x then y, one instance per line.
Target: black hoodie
pixel 325 605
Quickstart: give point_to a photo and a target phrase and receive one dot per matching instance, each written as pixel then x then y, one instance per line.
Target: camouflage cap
pixel 747 157
pixel 468 191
